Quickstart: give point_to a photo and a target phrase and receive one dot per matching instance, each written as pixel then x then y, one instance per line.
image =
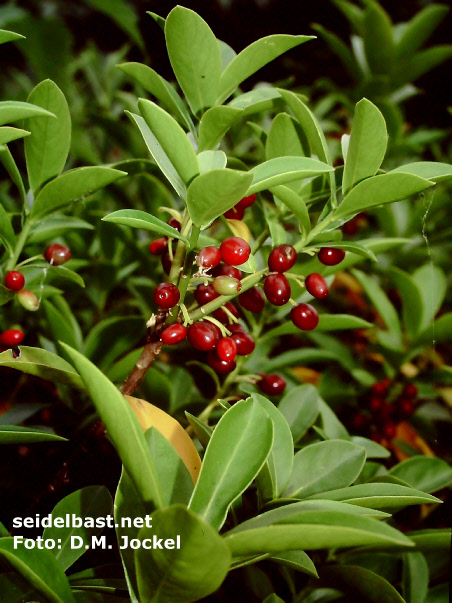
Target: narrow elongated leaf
pixel 367 146
pixel 425 473
pixel 122 426
pixel 8 36
pixel 63 327
pixel 432 285
pixel 202 431
pixel 419 29
pixel 378 495
pixel 71 186
pixel 123 14
pixel 360 583
pixel 189 573
pixel 296 205
pixel 11 111
pixel 430 170
pixel 237 450
pixel 285 169
pixel 141 219
pixel 10 166
pixel 214 124
pixel 214 192
pixel 378 39
pixel 195 57
pixel 411 68
pixel 415 577
pixel 8 134
pixel 300 407
pixel 342 51
pixel 7 235
pixel 297 560
pixel 13 434
pixel 54 226
pixel 253 58
pixel 47 148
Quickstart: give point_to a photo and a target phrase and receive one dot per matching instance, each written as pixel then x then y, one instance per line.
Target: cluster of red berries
pixel 238 211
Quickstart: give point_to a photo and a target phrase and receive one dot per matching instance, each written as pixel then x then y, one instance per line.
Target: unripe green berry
pixel 226 285
pixel 28 300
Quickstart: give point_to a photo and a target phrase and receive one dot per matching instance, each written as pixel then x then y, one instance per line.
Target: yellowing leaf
pixel 240 229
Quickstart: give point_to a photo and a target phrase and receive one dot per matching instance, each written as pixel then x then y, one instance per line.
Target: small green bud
pixel 226 285
pixel 28 300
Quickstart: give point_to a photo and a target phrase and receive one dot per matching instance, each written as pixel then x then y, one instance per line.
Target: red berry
pixel 57 254
pixel 272 385
pixel 236 213
pixel 316 286
pixel 159 246
pixel 227 349
pixel 221 367
pixel 380 388
pixel 174 223
pixel 360 421
pixel 14 280
pixel 166 295
pixel 166 262
pixel 389 430
pixel 226 285
pixel 252 300
pixel 305 317
pixel 376 404
pixel 209 257
pixel 282 258
pixel 203 335
pixel 405 408
pixel 226 270
pixel 410 390
pixel 28 300
pixel 330 256
pixel 205 293
pixel 277 289
pixel 246 201
pixel 174 334
pixel 244 342
pixel 11 337
pixel 235 251
pixel 222 316
pixel 236 327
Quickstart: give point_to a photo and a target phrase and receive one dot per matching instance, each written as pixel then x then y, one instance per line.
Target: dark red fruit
pixel 222 316
pixel 166 295
pixel 209 257
pixel 316 286
pixel 244 342
pixel 277 289
pixel 174 334
pixel 376 404
pixel 174 223
pixel 203 335
pixel 236 327
pixel 14 280
pixel 272 385
pixel 159 246
pixel 221 367
pixel 330 256
pixel 389 430
pixel 226 285
pixel 360 421
pixel 305 317
pixel 235 251
pixel 252 300
pixel 57 254
pixel 166 262
pixel 227 349
pixel 11 338
pixel 405 408
pixel 236 213
pixel 282 258
pixel 246 201
pixel 226 270
pixel 410 390
pixel 380 388
pixel 205 293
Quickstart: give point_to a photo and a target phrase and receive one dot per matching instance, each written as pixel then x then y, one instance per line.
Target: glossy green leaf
pixel 188 573
pixel 275 473
pixel 285 169
pixel 172 139
pixel 8 134
pixel 419 29
pixel 285 138
pixel 159 20
pixel 11 111
pixel 202 431
pixel 123 14
pixel 253 58
pixel 432 285
pixel 211 160
pixel 431 540
pixel 61 326
pixel 10 166
pixel 90 502
pixel 255 101
pixel 7 235
pixel 300 407
pixel 325 466
pixel 296 205
pixel 367 146
pixel 54 226
pixel 378 39
pixel 55 272
pixel 72 186
pixel 9 36
pixel 40 569
pixel 195 57
pixel 237 451
pixel 13 434
pixel 297 560
pixel 214 124
pixel 373 450
pixel 47 148
pixel 136 218
pixel 415 577
pixel 426 473
pixel 430 170
pixel 360 583
pixel 214 192
pixel 43 364
pixel 122 426
pixel 175 480
pixel 378 190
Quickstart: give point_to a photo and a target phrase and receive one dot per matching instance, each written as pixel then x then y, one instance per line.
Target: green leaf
pixel 300 407
pixel 6 295
pixel 10 166
pixel 253 58
pixel 211 160
pixel 54 226
pixel 227 54
pixel 214 124
pixel 430 170
pixel 415 577
pixel 431 540
pixel 43 364
pixel 285 169
pixel 255 101
pixel 411 68
pixel 214 192
pixel 342 51
pixel 123 14
pixel 378 190
pixel 425 473
pixel 412 300
pixel 360 583
pixel 47 148
pixel 13 434
pixel 90 502
pixel 188 573
pixel 373 450
pixel 71 186
pixel 237 451
pixel 19 413
pixel 122 426
pixel 286 138
pixel 159 20
pixel 378 495
pixel 432 285
pixel 14 110
pixel 378 40
pixel 9 36
pixel 62 326
pixel 8 134
pixel 440 331
pixel 325 466
pixel 202 431
pixel 7 235
pixel 172 140
pixel 367 146
pixel 195 57
pixel 356 248
pixel 297 560
pixel 141 219
pixel 175 481
pixel 419 29
pixel 327 322
pixel 40 569
pixel 276 471
pixel 296 205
